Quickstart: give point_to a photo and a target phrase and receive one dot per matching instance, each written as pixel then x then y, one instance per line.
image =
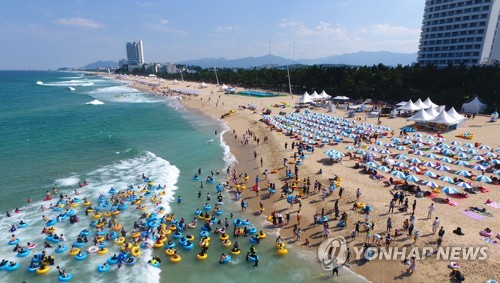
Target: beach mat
pixel 473 215
pixel 494 204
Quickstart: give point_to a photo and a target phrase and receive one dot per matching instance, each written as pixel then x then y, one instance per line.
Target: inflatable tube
pixel 103 268
pixel 102 251
pixel 175 259
pixel 22 225
pixel 158 245
pixel 23 254
pixel 282 251
pixel 177 235
pixel 13 267
pixel 261 235
pixel 204 234
pixel 66 278
pixel 341 224
pixel 61 249
pixel 190 237
pixel 207 207
pixel 31 246
pixel 252 230
pixel 81 256
pixel 196 178
pixel 32 269
pixel 43 271
pixel 170 252
pixel 51 239
pixel 74 252
pixel 235 252
pixel 226 243
pixel 227 259
pixel 252 258
pixel 78 244
pixel 15 242
pixel 223 237
pixel 51 222
pixel 130 261
pixel 112 261
pixel 280 246
pixel 253 240
pixel 289 198
pixel 85 232
pixel 485 234
pixel 211 181
pixel 93 249
pixel 170 246
pixel 454 264
pixel 188 246
pixel 201 257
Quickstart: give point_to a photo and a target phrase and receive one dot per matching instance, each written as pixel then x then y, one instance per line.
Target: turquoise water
pixel 51 138
pixel 257 93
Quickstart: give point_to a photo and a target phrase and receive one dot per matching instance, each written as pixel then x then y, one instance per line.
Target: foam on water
pixel 67 83
pixel 229 158
pixel 95 102
pixel 122 93
pixel 119 175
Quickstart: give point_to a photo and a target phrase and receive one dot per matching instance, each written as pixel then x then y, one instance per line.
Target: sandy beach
pixel 243 122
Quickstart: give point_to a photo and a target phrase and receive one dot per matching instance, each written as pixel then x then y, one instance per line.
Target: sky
pixel 51 34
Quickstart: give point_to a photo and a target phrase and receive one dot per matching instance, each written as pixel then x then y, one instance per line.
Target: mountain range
pixel 357 59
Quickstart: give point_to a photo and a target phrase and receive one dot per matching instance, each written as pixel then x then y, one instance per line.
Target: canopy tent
pixel 428 103
pixel 432 111
pixel 315 96
pixel 454 114
pixel 474 106
pixel 324 95
pixel 421 116
pixel 175 82
pixel 341 98
pixel 409 106
pixel 420 104
pixel 224 87
pixel 203 85
pixel 444 118
pixel 306 98
pixel 402 103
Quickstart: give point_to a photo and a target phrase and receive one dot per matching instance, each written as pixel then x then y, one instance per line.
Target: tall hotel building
pixel 135 53
pixel 460 32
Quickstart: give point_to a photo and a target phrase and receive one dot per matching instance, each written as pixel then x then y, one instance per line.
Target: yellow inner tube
pixel 96 215
pixel 226 244
pixel 170 252
pixel 74 252
pixel 87 203
pixel 135 235
pixel 116 212
pixel 100 238
pixel 158 245
pixel 75 204
pixel 223 237
pixel 107 214
pixel 119 240
pixel 201 257
pixel 236 252
pixel 261 235
pixel 360 205
pixel 190 237
pixel 279 246
pixel 135 251
pixel 172 227
pixel 117 227
pixel 42 271
pixel 175 259
pixel 282 251
pixel 100 224
pixel 102 251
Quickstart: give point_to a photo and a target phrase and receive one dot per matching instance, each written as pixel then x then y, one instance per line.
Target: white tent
pixel 428 103
pixel 432 111
pixel 203 85
pixel 176 82
pixel 454 114
pixel 306 98
pixel 341 98
pixel 421 116
pixel 315 96
pixel 402 103
pixel 409 106
pixel 444 118
pixel 420 104
pixel 324 95
pixel 224 87
pixel 474 106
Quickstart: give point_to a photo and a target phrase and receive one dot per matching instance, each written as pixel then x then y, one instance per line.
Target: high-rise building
pixel 135 53
pixel 460 32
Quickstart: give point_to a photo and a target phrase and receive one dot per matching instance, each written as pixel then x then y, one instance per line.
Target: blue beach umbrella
pixel 398 174
pixel 430 174
pixel 412 178
pixel 449 190
pixel 384 168
pixel 463 185
pixel 401 157
pixel 371 164
pixel 463 173
pixel 442 168
pixel 446 179
pixel 478 167
pixel 461 163
pixel 430 184
pixel 483 178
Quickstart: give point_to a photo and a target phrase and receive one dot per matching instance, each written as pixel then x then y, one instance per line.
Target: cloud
pixel 321 30
pixel 388 30
pixel 228 28
pixel 163 26
pixel 79 22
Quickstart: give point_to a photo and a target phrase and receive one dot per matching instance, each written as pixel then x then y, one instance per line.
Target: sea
pixel 61 129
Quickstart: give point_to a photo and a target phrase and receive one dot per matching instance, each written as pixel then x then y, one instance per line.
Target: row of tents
pixel 473 106
pixel 308 98
pixel 430 115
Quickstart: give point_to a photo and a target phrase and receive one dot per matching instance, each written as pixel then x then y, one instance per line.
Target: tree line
pixel 450 86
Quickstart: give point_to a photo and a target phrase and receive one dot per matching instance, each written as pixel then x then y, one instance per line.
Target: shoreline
pixel 273 151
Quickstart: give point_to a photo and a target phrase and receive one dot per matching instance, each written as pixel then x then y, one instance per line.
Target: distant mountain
pixel 100 64
pixel 359 59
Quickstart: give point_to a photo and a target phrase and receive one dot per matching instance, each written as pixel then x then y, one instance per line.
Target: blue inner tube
pixel 65 279
pixel 51 222
pixel 130 261
pixel 218 212
pixel 78 245
pixel 61 250
pixel 197 212
pixel 188 246
pixel 112 191
pixel 113 235
pixel 170 246
pixel 207 207
pixel 79 257
pixel 85 232
pixel 204 234
pixel 253 240
pixel 177 235
pixel 155 264
pixel 24 254
pixel 12 268
pixel 289 198
pixel 253 257
pixel 22 225
pixel 210 180
pixel 112 261
pixel 102 268
pixel 11 243
pixel 183 241
pixel 196 178
pixel 252 230
pixel 341 224
pixel 227 259
pixel 33 269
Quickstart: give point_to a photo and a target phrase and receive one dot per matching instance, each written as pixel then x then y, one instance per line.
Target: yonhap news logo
pixel 332 252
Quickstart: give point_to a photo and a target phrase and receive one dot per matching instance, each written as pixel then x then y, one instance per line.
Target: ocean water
pixel 51 137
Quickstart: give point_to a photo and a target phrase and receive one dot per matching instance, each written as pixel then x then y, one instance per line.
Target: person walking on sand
pixel 298 218
pixel 389 225
pixel 430 211
pixel 358 194
pixel 414 206
pixel 435 225
pixel 413 266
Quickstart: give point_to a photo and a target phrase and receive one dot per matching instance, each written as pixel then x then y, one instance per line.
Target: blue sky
pixel 51 34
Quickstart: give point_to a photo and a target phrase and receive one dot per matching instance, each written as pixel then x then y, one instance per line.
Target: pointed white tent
pixel 224 87
pixel 315 96
pixel 341 98
pixel 420 104
pixel 432 112
pixel 409 106
pixel 203 85
pixel 444 118
pixel 324 95
pixel 402 103
pixel 428 103
pixel 474 106
pixel 306 98
pixel 420 116
pixel 454 114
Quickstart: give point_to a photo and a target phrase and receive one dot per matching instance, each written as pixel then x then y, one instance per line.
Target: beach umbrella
pixel 418 135
pixel 415 169
pixel 478 167
pixel 449 190
pixel 461 163
pixel 472 151
pixel 497 172
pixel 401 147
pixel 384 151
pixel 429 164
pixel 458 148
pixel 441 139
pixel 442 168
pixel 435 148
pixel 444 146
pixel 398 174
pixel 401 164
pixel 412 178
pixel 455 143
pixel 371 164
pixel 478 158
pixel 373 148
pixel 384 168
pixel 463 173
pixel 495 162
pixel 432 156
pixel 447 152
pixel 350 147
pixel 401 157
pixel 485 147
pixel 468 145
pixel 419 144
pixel 429 137
pixel 406 142
pixel 360 151
pixel 497 149
pixel 430 174
pixel 463 185
pixel 491 154
pixel 379 143
pixel 418 152
pixel 483 178
pixel 389 145
pixel 430 184
pixel 446 159
pixel 415 160
pixel 462 155
pixel 431 142
pixel 447 179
